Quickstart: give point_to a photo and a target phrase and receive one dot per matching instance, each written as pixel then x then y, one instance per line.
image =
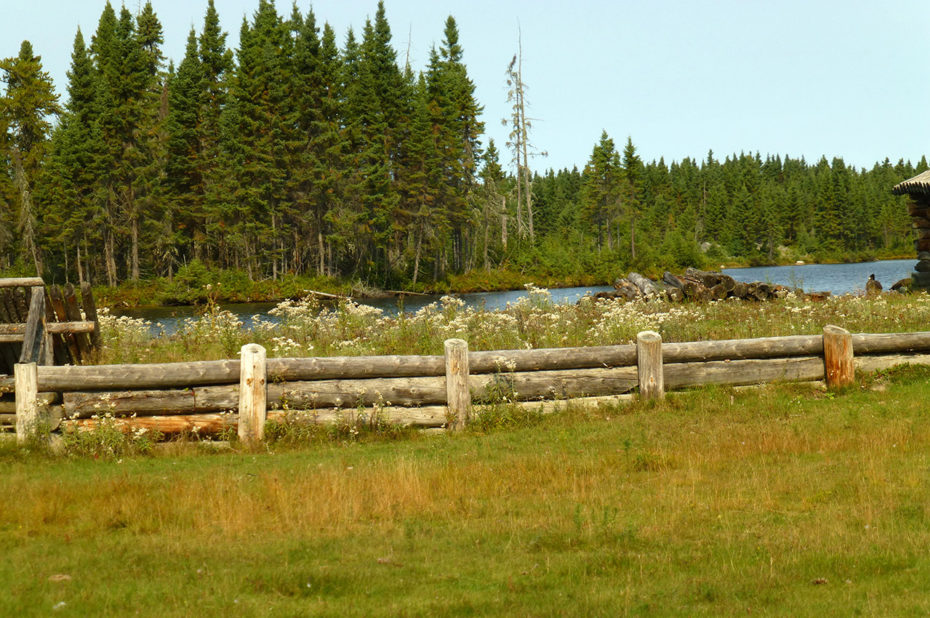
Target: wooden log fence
pixel 427 391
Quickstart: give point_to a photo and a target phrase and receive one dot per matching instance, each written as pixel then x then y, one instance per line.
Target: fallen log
pixel 673 280
pixel 645 285
pixel 627 289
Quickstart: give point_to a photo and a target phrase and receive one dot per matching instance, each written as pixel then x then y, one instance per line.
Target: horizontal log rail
pixel 22 282
pixel 202 373
pixel 53 328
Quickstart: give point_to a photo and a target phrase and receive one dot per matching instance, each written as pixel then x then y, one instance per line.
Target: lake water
pixel 834 278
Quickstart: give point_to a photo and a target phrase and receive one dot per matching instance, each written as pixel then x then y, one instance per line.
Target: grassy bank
pixel 305 328
pixel 782 501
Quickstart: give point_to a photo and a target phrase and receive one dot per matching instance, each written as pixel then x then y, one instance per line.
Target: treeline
pixel 298 154
pixel 744 208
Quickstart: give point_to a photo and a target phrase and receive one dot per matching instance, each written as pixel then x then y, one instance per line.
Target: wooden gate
pixel 44 324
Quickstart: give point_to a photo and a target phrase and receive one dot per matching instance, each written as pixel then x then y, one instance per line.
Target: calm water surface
pixel 834 278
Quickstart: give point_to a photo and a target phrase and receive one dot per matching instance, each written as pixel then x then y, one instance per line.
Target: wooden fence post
pixel 253 389
pixel 649 365
pixel 839 368
pixel 27 405
pixel 458 397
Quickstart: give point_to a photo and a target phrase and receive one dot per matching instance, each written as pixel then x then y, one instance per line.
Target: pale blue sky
pixel 799 77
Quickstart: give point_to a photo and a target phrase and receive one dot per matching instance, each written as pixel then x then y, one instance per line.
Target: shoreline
pixel 178 294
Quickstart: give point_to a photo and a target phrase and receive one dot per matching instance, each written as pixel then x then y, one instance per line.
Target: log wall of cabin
pixel 919 209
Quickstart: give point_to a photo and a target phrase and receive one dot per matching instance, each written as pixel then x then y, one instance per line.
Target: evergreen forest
pixel 308 153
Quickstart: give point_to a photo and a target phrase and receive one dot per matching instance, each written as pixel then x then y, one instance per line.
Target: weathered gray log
pixel 141 402
pixel 354 393
pixel 27 406
pixel 710 279
pixel 350 394
pixel 649 365
pixel 718 292
pixel 838 357
pixel 90 312
pixel 34 334
pixel 882 343
pixel 253 393
pixel 458 399
pixel 322 368
pixel 173 375
pixel 695 290
pixel 645 285
pixel 867 364
pixel 54 328
pixel 58 354
pixel 553 384
pixel 548 359
pixel 10 351
pixel 760 291
pixel 673 280
pixel 627 289
pixel 57 303
pixel 740 290
pixel 422 417
pixel 119 377
pixel 51 415
pixel 74 315
pixel 42 399
pixel 740 372
pixel 24 282
pixel 763 347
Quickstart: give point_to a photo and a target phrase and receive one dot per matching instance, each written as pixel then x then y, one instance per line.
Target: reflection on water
pixel 835 278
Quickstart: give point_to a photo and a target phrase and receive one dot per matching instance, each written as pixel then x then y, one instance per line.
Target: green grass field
pixel 785 500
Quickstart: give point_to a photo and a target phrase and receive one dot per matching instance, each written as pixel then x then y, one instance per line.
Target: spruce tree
pixel 632 176
pixel 184 177
pixel 27 104
pixel 600 189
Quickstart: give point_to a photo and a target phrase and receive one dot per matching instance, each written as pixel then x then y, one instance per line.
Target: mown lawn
pixel 784 500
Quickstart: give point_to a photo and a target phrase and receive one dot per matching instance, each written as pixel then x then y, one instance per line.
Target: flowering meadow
pixel 308 328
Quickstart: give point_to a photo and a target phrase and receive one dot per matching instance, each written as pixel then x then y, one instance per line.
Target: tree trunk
pixel 135 248
pixel 416 259
pixel 110 258
pixel 504 222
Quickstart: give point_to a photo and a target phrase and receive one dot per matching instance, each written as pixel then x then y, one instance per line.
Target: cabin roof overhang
pixel 918 185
